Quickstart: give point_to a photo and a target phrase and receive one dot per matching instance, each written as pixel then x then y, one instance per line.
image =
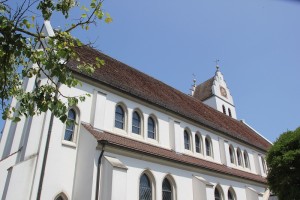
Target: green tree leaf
pixel 28 54
pixel 283 161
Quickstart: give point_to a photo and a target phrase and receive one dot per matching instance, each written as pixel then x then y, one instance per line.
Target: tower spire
pixel 194 85
pixel 217 64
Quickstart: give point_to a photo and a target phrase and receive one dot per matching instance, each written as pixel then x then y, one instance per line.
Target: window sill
pixel 119 131
pixel 152 141
pixel 68 144
pixel 189 152
pixel 199 155
pixel 137 136
pixel 209 158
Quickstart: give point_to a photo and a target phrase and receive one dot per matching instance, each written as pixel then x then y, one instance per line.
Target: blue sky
pixel 256 41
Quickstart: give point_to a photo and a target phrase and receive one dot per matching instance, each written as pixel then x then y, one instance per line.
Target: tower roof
pixel 204 90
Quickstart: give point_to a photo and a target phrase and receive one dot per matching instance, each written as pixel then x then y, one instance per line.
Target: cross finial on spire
pixel 194 80
pixel 217 64
pixel 194 85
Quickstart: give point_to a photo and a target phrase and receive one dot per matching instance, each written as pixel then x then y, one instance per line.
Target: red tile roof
pixel 151 150
pixel 130 81
pixel 204 90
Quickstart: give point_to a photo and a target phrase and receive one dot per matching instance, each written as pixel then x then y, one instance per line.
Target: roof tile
pixel 133 82
pixel 145 148
pixel 204 90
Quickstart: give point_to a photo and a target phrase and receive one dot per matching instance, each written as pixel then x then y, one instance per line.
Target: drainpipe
pixel 103 143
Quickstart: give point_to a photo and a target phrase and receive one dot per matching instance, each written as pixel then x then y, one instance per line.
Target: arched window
pixel 224 109
pixel 246 159
pixel 198 143
pixel 119 117
pixel 145 188
pixel 71 125
pixel 229 112
pixel 218 194
pixel 151 128
pixel 231 153
pixel 167 190
pixel 208 146
pixel 61 196
pixel 136 123
pixel 263 162
pixel 239 157
pixel 187 144
pixel 231 194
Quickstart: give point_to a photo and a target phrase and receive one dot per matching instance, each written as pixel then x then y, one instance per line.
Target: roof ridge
pixel 134 69
pixel 127 79
pixel 213 77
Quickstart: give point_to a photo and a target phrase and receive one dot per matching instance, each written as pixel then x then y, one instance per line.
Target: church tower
pixel 215 93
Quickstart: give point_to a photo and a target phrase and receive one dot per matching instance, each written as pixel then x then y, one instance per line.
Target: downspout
pixel 40 187
pixel 103 143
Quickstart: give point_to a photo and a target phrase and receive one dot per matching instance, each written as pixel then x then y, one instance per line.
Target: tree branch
pixel 88 21
pixel 28 33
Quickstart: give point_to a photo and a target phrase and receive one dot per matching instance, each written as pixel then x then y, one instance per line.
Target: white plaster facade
pixel 71 167
pixel 221 96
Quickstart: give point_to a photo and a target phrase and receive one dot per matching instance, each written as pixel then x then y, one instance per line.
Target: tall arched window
pixel 229 112
pixel 231 153
pixel 145 188
pixel 71 125
pixel 167 190
pixel 136 123
pixel 231 194
pixel 198 143
pixel 239 157
pixel 187 144
pixel 218 194
pixel 151 128
pixel 61 196
pixel 246 159
pixel 208 146
pixel 224 109
pixel 119 117
pixel 263 162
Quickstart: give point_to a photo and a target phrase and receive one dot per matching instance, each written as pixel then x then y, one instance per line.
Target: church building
pixel 134 138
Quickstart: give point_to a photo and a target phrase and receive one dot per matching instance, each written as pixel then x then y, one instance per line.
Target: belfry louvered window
pixel 224 109
pixel 229 112
pixel 166 190
pixel 145 188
